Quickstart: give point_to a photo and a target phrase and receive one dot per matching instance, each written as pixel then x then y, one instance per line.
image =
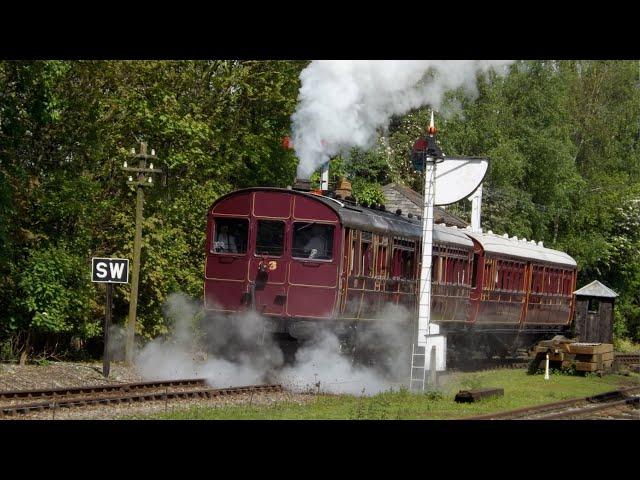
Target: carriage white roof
pixel 522 248
pixel 453 235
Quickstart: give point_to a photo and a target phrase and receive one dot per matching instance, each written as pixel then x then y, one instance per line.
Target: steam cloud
pixel 225 351
pixel 342 102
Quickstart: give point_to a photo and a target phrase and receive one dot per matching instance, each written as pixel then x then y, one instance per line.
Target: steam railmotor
pixel 305 260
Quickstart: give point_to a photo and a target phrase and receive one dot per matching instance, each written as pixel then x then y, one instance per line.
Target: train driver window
pixel 230 235
pixel 270 238
pixel 312 241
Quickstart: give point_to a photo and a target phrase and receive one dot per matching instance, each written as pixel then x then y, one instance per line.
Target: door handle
pixel 226 259
pixel 311 264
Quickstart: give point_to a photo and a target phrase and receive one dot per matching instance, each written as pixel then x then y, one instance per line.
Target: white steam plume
pixel 342 102
pixel 233 351
pixel 320 362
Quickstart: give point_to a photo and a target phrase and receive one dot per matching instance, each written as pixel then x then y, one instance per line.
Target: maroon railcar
pixel 267 267
pixel 300 258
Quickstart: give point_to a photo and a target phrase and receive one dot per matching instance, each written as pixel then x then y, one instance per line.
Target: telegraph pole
pixel 143 178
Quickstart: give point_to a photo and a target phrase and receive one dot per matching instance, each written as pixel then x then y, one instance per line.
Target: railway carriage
pixel 302 260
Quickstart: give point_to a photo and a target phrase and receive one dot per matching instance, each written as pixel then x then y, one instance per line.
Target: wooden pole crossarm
pixel 137 169
pixel 141 184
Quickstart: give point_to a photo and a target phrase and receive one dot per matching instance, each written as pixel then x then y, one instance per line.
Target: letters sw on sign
pixel 110 270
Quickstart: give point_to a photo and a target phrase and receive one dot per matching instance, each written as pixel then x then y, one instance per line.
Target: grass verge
pixel 520 390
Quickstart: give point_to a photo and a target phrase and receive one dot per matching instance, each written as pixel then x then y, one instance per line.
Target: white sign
pixel 110 270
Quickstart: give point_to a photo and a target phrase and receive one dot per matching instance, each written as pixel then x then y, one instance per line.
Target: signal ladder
pixel 418 378
pixel 418 370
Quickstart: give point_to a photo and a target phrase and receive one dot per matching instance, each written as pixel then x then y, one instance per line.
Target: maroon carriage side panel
pixel 266 268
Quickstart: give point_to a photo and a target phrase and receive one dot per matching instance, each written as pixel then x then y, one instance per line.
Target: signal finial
pixel 432 126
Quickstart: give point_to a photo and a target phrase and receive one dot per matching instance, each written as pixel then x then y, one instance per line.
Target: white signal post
pixel 458 178
pixel 424 310
pixel 476 201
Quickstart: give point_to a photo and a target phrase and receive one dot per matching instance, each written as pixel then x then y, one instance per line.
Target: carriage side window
pixel 396 264
pixel 366 259
pixel 535 280
pixel 517 277
pixel 408 264
pixel 352 262
pixel 508 267
pixel 490 276
pixel 270 238
pixel 381 264
pixel 449 262
pixel 312 241
pixel 230 235
pixel 434 268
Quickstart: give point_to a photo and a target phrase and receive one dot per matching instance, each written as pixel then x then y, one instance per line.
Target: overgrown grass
pixel 624 345
pixel 520 390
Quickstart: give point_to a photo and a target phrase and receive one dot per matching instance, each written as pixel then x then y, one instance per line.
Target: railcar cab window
pixel 270 238
pixel 312 241
pixel 230 235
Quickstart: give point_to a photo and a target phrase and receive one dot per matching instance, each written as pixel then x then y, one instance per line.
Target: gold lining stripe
pixel 224 279
pixel 311 286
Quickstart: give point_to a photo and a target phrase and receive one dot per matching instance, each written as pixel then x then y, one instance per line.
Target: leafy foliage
pixel 562 138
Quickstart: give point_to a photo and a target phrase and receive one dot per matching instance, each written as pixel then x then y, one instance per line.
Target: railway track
pixel 597 406
pixel 12 402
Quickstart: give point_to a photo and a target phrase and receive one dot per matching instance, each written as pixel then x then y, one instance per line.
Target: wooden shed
pixel 594 313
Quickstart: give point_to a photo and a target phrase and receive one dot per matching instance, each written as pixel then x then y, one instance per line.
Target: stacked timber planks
pixel 584 357
pixel 591 357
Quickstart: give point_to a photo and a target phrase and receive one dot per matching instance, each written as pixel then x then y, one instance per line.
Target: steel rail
pixel 590 409
pixel 519 413
pixel 140 397
pixel 65 391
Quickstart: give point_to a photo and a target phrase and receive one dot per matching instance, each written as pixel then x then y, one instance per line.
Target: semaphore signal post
pixel 460 177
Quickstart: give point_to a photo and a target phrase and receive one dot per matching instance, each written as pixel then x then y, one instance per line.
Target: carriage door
pixel 269 260
pixel 315 260
pixel 226 266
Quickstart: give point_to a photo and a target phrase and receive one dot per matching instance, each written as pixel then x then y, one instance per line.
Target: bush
pixel 57 294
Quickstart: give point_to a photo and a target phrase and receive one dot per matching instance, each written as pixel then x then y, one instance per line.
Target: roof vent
pixel 540 244
pixel 514 238
pixel 524 240
pixel 399 212
pixel 453 226
pixel 490 232
pixel 506 235
pixel 410 215
pixel 468 227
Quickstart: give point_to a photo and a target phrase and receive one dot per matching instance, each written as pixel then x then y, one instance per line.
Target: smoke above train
pixel 342 103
